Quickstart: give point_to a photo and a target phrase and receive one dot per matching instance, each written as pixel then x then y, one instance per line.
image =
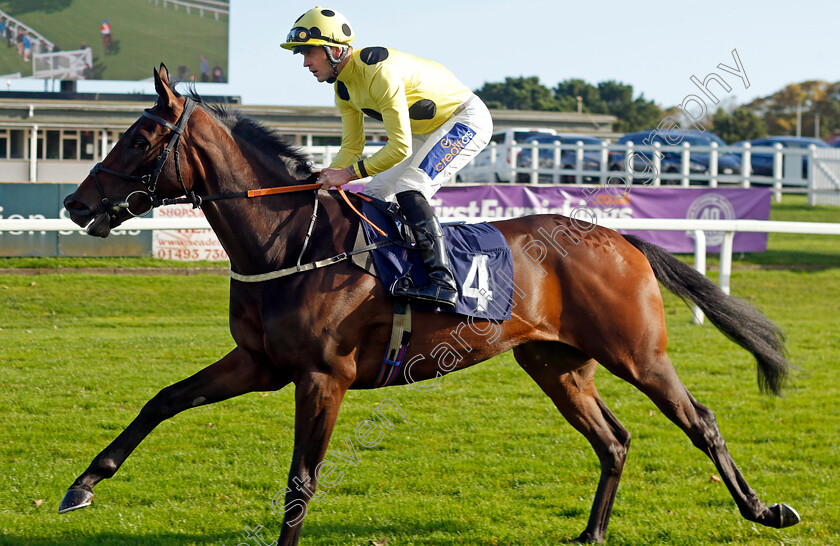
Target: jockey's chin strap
pixel 335 61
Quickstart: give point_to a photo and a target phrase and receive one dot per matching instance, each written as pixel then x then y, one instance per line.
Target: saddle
pixel 481 258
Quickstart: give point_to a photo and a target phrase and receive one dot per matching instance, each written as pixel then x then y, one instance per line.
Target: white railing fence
pixel 698 227
pixel 212 6
pixel 63 65
pixel 824 178
pixel 788 170
pixel 39 45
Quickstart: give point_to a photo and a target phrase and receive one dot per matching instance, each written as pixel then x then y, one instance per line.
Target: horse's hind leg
pixel 660 383
pixel 237 373
pixel 566 376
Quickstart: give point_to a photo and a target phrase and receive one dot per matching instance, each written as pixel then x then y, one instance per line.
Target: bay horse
pixel 326 330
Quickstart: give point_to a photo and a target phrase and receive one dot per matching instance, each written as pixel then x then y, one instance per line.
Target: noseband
pixel 149 180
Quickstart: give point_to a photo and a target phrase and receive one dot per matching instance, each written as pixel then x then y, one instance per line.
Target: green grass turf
pixel 790 249
pixel 146 35
pixel 482 459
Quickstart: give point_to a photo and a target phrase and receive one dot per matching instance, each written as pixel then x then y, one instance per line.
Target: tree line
pixel 817 103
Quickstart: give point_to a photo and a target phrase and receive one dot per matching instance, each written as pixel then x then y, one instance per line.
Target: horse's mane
pixel 274 150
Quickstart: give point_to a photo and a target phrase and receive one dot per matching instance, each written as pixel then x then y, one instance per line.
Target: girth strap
pixel 397 347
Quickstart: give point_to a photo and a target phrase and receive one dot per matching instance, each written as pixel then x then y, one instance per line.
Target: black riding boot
pixel 441 289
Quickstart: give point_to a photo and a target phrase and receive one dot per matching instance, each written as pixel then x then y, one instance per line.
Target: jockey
pixel 435 125
pixel 105 28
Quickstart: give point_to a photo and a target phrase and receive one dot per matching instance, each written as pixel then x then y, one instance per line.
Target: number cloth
pixel 481 264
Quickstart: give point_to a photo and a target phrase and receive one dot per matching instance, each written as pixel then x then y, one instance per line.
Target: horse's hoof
pixel 787 515
pixel 586 538
pixel 75 499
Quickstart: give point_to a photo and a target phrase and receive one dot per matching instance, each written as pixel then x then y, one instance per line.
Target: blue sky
pixel 654 46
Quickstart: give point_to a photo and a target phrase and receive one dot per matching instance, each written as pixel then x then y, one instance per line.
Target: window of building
pixel 69 148
pixel 88 147
pixel 53 150
pixel 326 141
pixel 16 144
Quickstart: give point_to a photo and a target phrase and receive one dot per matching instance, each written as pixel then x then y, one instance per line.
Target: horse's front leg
pixel 317 399
pixel 237 373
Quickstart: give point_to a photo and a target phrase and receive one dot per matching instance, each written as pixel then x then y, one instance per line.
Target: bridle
pixel 150 180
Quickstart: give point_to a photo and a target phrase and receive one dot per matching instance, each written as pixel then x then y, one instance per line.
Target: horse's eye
pixel 141 144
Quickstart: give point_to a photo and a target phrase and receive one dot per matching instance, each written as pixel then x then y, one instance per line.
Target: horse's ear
pixel 163 86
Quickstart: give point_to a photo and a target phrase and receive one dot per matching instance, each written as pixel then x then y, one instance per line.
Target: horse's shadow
pixel 97 71
pixel 114 48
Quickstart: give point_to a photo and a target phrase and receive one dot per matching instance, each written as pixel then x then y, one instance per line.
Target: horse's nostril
pixel 73 205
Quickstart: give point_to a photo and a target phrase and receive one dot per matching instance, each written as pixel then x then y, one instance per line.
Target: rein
pixel 190 197
pixel 197 200
pixel 149 181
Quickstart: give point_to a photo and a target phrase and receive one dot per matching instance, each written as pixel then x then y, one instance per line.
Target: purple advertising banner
pixel 513 200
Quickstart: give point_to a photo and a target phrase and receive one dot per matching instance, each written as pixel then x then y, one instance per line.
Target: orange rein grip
pixel 282 189
pixel 362 216
pixel 315 186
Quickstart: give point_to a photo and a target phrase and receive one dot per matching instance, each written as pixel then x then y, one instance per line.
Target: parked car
pixel 671 161
pixel 482 168
pixel 762 163
pixel 834 141
pixel 568 157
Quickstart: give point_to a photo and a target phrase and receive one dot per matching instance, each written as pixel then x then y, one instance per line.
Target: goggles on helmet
pixel 299 34
pixel 302 35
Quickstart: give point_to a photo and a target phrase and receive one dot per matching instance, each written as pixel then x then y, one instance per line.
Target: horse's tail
pixel 738 320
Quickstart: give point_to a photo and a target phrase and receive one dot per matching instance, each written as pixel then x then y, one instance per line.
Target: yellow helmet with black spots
pixel 319 27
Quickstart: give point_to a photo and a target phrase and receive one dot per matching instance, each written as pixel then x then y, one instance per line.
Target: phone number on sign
pixel 192 254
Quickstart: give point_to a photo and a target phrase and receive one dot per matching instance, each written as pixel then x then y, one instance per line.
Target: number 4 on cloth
pixel 477 284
